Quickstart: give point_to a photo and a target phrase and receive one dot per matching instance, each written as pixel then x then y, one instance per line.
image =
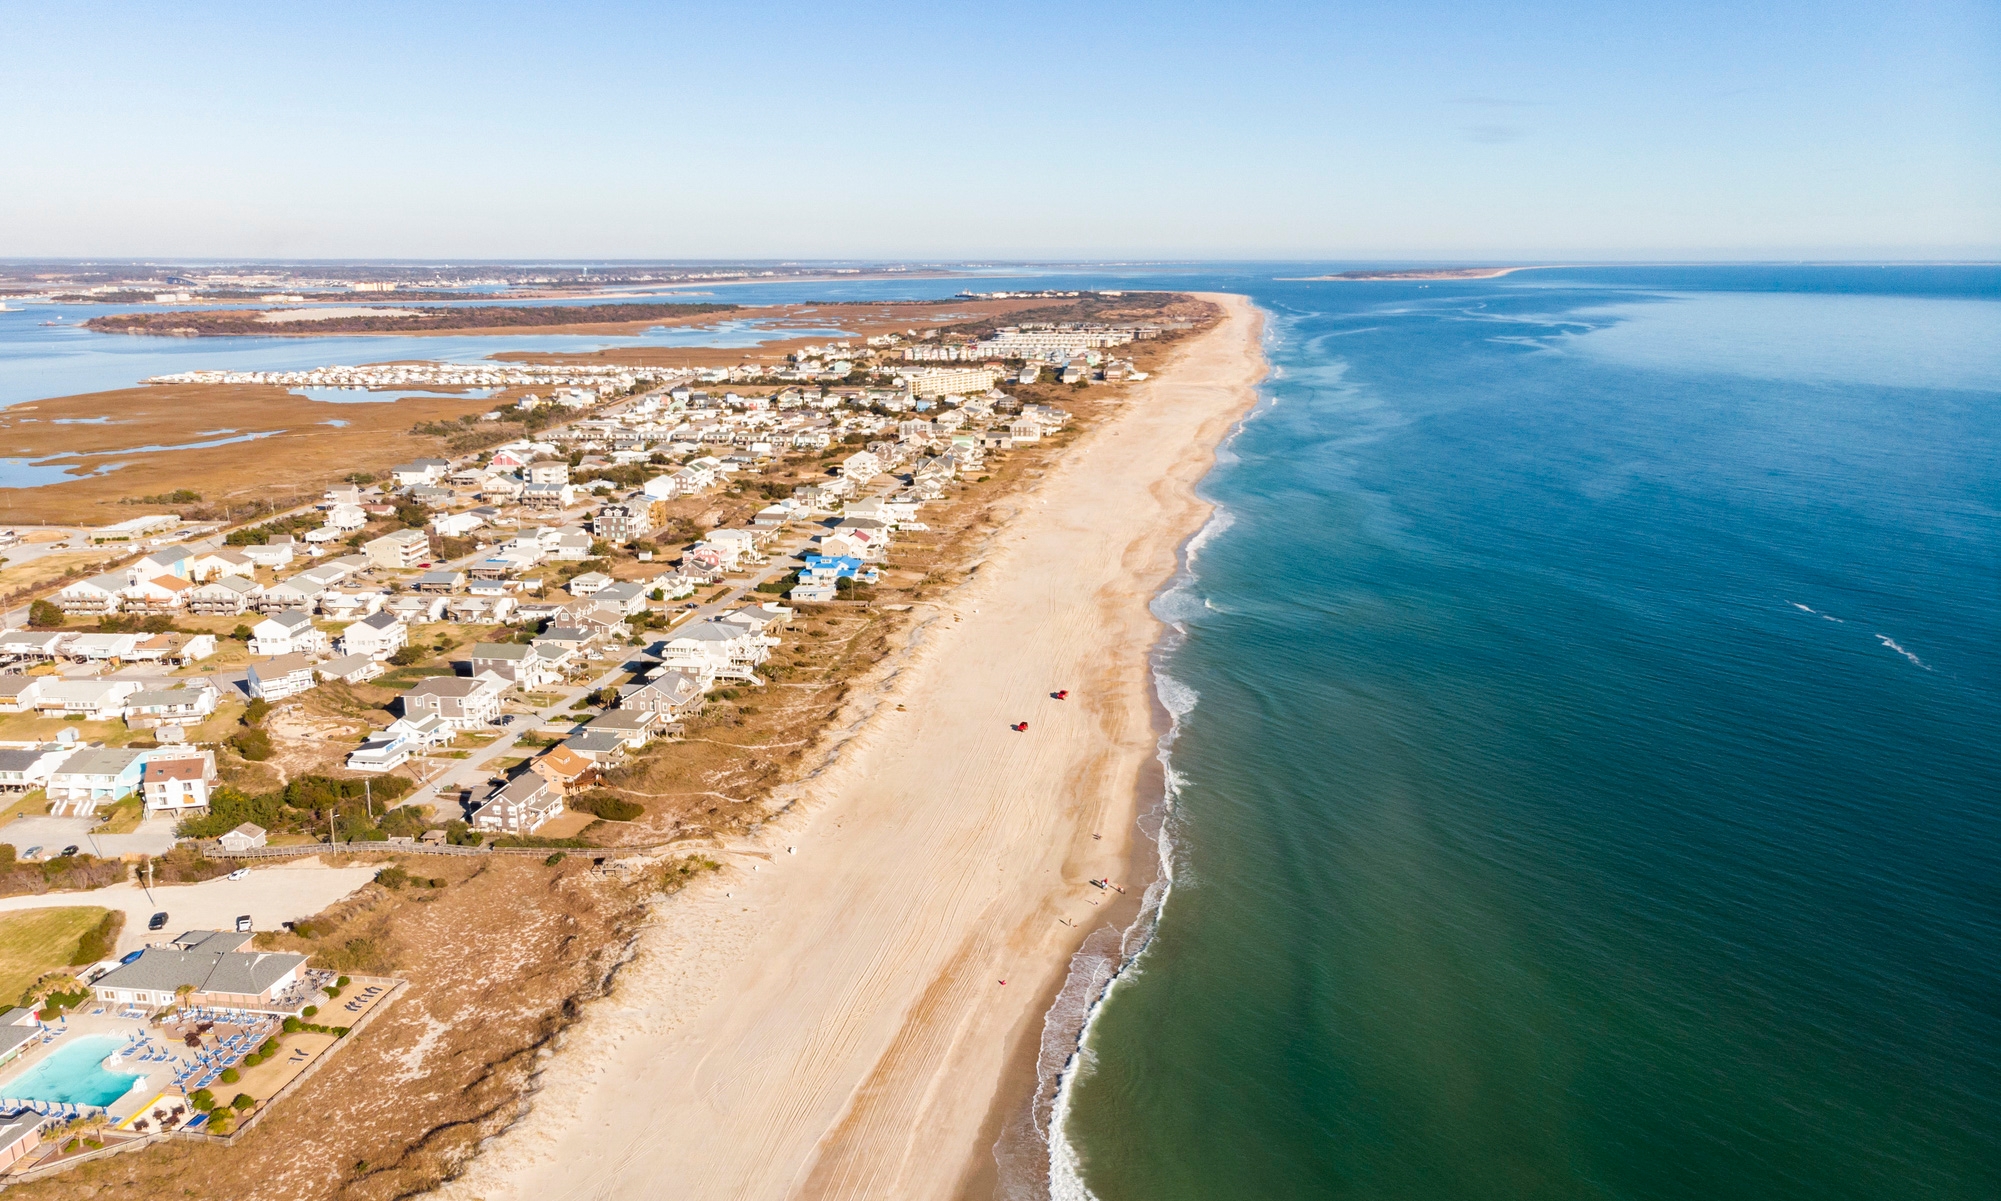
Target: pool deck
pixel 168 1064
pixel 155 1106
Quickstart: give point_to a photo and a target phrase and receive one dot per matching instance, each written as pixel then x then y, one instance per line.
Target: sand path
pixel 836 1025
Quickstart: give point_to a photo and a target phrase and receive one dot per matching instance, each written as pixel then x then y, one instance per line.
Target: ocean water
pixel 1589 783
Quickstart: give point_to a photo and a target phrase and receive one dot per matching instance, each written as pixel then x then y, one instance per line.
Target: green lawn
pixel 34 941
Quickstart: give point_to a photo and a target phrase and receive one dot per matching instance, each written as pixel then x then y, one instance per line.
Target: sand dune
pixel 832 1022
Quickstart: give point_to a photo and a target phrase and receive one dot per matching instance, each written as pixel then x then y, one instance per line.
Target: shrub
pixel 256 711
pixel 242 1102
pixel 554 858
pixel 393 876
pixel 231 1075
pixel 44 615
pixel 241 633
pixel 332 991
pixel 342 982
pixel 221 1121
pixel 202 1099
pixel 252 1060
pixel 252 743
pixel 407 656
pixel 292 1025
pixel 308 1011
pixel 607 805
pixel 269 1048
pixel 99 941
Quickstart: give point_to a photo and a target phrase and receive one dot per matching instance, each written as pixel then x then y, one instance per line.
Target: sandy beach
pixel 843 1011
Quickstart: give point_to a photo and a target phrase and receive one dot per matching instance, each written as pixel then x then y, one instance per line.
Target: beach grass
pixel 37 941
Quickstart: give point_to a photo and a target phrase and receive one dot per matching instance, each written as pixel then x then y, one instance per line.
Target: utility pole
pixel 368 798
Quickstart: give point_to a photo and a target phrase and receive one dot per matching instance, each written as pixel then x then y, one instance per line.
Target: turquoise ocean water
pixel 1588 774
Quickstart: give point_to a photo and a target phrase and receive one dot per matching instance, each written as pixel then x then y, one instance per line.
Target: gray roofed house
pixel 599 746
pixel 567 637
pixel 352 669
pixel 17 1026
pixel 628 596
pixel 516 661
pixel 520 807
pixel 215 964
pixel 634 726
pixel 460 702
pixel 25 769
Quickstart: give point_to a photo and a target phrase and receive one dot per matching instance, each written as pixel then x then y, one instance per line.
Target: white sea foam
pixel 1175 697
pixel 1890 642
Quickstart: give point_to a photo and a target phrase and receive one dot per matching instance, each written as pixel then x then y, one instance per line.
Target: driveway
pixel 282 892
pixel 52 834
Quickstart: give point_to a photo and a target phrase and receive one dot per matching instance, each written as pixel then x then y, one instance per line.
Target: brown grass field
pixel 304 453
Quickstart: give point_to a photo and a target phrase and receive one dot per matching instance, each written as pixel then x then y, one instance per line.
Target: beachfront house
pixel 715 650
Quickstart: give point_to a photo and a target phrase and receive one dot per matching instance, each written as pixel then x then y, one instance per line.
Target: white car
pixel 241 873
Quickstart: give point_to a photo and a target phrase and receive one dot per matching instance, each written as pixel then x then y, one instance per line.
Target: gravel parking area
pixel 273 895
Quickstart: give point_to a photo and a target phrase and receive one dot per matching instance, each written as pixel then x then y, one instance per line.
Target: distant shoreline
pixel 1424 273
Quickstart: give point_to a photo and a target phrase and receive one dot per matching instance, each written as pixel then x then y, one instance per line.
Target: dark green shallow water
pixel 1596 777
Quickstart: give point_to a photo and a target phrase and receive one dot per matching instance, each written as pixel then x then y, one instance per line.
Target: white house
pixel 378 636
pixel 715 649
pixel 291 632
pixel 178 784
pixel 273 554
pixel 96 700
pixel 97 595
pixel 281 676
pixel 455 525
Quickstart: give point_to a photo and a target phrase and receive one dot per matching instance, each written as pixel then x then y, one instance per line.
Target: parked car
pixel 70 850
pixel 241 873
pixel 32 853
pixel 243 925
pixel 158 921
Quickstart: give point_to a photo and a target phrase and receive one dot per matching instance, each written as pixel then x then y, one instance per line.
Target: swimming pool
pixel 73 1074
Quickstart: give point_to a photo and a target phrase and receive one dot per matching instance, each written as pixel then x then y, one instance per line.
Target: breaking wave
pixel 1890 642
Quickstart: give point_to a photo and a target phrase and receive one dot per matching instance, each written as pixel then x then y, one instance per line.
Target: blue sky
pixel 1383 130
